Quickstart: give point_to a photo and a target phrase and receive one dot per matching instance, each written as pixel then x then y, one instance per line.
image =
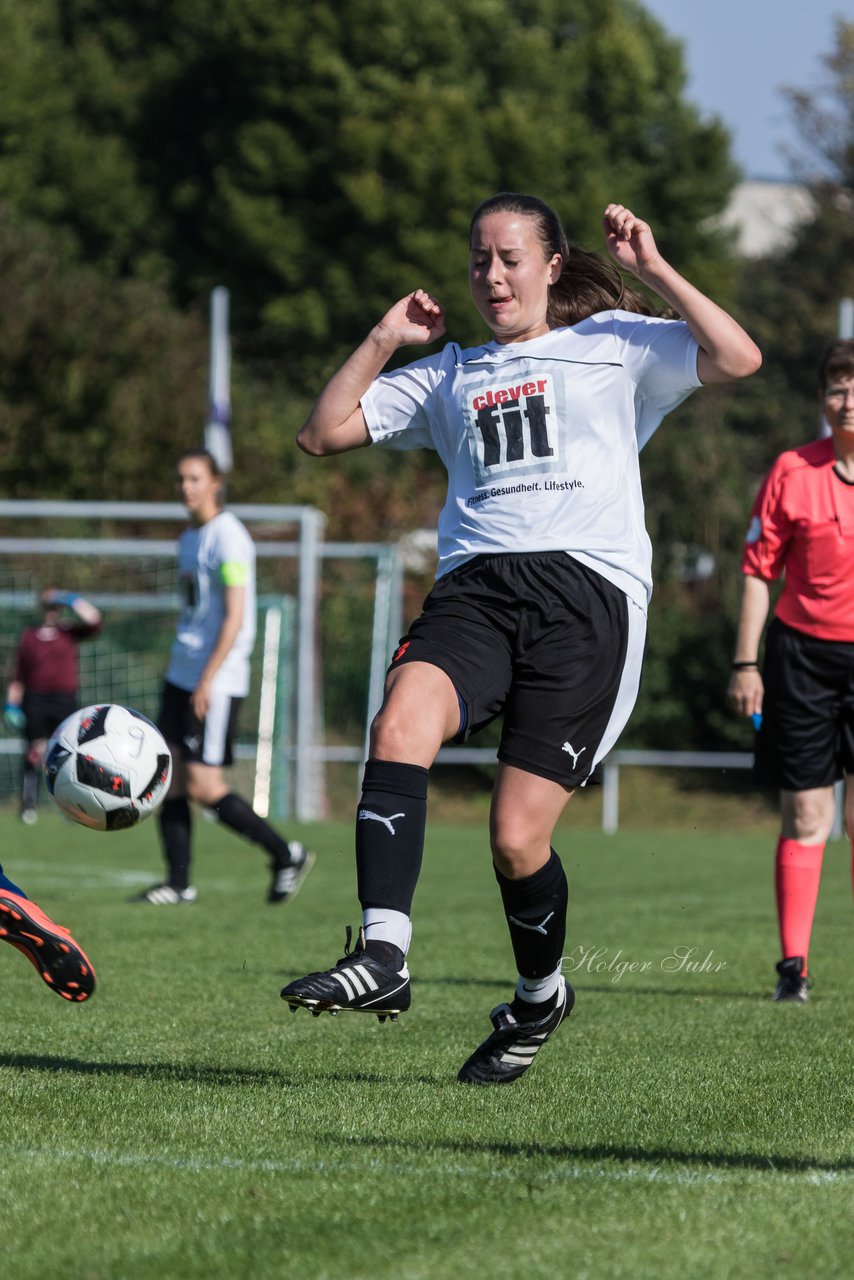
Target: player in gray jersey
pixel 539 611
pixel 206 681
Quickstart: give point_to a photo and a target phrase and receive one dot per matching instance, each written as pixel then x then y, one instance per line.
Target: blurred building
pixel 765 215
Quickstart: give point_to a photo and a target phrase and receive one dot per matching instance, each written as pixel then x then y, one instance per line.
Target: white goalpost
pixel 316 680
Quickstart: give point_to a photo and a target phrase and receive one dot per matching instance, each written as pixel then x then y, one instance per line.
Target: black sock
pixel 390 823
pixel 535 907
pixel 242 818
pixel 30 786
pixel 175 827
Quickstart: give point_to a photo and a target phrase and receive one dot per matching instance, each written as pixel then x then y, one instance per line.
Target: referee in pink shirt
pixel 802 530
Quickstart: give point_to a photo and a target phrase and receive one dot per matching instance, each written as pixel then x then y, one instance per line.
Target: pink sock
pixel 797 874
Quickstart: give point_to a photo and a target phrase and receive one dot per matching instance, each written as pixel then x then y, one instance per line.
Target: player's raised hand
pixel 336 422
pixel 629 239
pixel 417 318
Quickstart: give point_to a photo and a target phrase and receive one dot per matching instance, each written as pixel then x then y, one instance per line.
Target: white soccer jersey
pixel 211 557
pixel 541 438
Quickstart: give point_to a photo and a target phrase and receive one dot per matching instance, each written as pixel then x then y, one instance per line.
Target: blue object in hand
pixel 757 720
pixel 14 717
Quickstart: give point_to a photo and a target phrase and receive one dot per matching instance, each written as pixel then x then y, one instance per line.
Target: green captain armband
pixel 234 574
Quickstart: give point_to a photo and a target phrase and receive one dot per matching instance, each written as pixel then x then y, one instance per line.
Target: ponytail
pixel 588 283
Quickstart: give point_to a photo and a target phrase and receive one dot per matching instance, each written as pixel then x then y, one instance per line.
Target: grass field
pixel 184 1124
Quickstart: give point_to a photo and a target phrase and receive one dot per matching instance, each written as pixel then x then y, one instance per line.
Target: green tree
pixel 792 298
pixel 320 159
pixel 66 157
pixel 102 382
pixel 702 471
pixel 824 116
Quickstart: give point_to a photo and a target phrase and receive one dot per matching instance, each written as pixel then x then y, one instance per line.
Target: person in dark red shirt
pixel 43 689
pixel 802 529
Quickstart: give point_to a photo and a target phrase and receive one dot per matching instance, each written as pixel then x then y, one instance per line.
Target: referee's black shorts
pixel 541 637
pixel 807 734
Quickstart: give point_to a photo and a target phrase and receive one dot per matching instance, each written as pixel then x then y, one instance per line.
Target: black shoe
pixel 792 986
pixel 287 880
pixel 509 1051
pixel 358 982
pixel 166 895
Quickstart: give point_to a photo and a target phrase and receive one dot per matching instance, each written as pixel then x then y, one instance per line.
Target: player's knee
pixel 516 851
pixel 808 818
pixel 394 733
pixel 205 786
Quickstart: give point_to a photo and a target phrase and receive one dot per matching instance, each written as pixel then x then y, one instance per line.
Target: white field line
pixel 575 1172
pixel 79 873
pixel 82 876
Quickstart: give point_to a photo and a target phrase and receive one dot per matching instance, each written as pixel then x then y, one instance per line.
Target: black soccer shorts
pixel 544 639
pixel 45 712
pixel 807 734
pixel 208 741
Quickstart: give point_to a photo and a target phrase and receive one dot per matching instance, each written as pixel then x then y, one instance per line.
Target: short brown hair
pixel 836 362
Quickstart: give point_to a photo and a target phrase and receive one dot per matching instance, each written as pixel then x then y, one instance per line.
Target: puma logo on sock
pixel 367 815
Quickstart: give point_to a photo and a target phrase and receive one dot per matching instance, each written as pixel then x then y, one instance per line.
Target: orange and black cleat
pixel 57 957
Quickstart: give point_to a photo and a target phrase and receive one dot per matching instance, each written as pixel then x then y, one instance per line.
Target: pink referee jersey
pixel 802 525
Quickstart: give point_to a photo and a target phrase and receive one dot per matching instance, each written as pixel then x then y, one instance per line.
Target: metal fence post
pixel 611 796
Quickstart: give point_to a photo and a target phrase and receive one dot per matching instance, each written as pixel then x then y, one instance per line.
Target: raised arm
pixel 726 351
pixel 87 615
pixel 336 423
pixel 87 612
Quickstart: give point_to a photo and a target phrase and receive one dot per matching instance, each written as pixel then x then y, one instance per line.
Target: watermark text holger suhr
pixel 599 960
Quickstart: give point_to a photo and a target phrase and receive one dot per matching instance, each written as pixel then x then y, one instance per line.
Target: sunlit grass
pixel 184 1124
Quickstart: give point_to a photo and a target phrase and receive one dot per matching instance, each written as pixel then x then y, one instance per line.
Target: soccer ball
pixel 107 767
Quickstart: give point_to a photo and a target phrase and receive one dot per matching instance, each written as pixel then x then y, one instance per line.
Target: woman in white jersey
pixel 539 611
pixel 206 682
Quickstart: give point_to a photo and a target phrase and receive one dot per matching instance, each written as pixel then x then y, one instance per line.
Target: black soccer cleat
pixel 166 895
pixel 509 1051
pixel 287 880
pixel 358 982
pixel 792 987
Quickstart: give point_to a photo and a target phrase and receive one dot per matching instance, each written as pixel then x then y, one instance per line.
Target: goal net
pixel 328 617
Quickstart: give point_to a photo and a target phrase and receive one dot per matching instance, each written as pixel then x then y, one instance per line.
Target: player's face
pixel 198 488
pixel 510 276
pixel 838 403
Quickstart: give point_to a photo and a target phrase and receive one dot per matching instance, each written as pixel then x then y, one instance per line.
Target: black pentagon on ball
pixel 157 778
pixel 95 775
pixel 119 819
pixel 54 762
pixel 93 726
